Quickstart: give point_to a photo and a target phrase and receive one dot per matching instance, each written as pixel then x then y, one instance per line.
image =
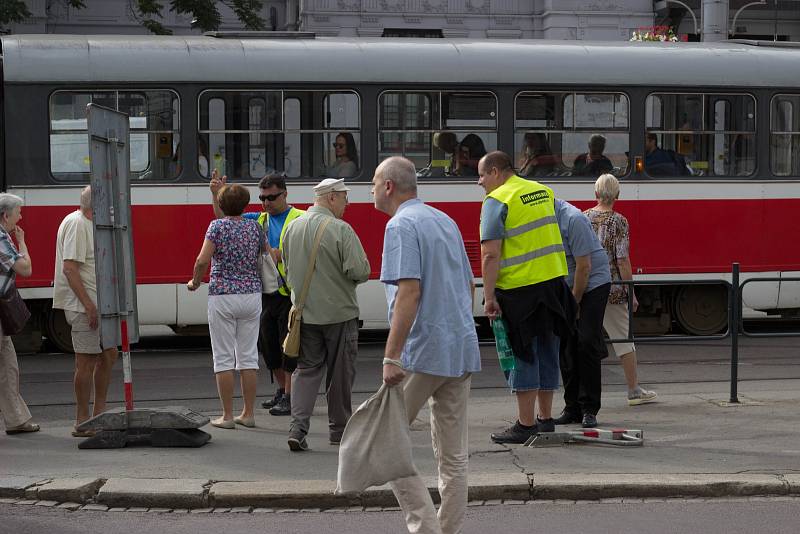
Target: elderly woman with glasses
pixel 346 165
pixel 232 245
pixel 14 260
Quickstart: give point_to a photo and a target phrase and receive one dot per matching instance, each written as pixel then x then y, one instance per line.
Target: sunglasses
pixel 339 145
pixel 271 198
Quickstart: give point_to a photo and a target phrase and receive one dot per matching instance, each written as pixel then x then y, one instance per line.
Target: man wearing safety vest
pixel 523 263
pixel 275 306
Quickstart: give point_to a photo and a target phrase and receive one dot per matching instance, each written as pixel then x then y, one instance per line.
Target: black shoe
pixel 589 420
pixel 335 440
pixel 567 418
pixel 284 406
pixel 297 443
pixel 544 425
pixel 516 433
pixel 273 401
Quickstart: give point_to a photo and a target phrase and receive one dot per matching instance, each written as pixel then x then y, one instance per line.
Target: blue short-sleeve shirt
pixel 423 243
pixel 581 240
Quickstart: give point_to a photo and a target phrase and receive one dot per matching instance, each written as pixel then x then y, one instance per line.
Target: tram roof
pixel 153 59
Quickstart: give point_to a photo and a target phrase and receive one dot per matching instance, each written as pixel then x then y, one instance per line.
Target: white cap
pixel 329 185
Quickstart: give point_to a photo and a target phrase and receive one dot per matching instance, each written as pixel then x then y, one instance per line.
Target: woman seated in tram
pixel 469 152
pixel 537 158
pixel 346 165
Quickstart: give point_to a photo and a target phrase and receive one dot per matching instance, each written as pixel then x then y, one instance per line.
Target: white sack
pixel 376 445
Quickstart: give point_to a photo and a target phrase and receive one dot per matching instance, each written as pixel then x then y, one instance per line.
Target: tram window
pixel 566 134
pixel 443 133
pixel 700 135
pixel 785 135
pixel 298 133
pixel 154 132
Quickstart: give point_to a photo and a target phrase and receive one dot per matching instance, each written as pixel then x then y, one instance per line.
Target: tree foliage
pixel 205 13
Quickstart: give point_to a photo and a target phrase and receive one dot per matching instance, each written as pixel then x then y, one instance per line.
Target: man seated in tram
pixel 593 163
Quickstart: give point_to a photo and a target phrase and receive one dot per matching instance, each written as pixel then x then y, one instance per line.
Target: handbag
pixel 271 279
pixel 291 344
pixel 13 311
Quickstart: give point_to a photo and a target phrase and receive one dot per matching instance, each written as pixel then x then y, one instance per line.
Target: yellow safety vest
pixel 294 213
pixel 532 250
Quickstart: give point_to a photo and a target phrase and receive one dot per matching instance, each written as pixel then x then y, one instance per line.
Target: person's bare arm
pixel 490 267
pixel 215 185
pixel 583 266
pixel 201 265
pixel 405 311
pixel 626 273
pixel 71 270
pixel 23 265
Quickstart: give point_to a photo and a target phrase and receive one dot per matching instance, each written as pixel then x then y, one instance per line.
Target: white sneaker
pixel 642 396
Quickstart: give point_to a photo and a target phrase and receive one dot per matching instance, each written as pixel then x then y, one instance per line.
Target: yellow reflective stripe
pixel 533 225
pixel 532 255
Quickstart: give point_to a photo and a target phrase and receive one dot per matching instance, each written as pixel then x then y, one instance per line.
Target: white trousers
pixel 233 322
pixel 15 411
pixel 447 398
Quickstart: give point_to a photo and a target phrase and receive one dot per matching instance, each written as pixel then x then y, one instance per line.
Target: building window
pixel 700 135
pixel 443 133
pixel 565 134
pixel 298 133
pixel 154 132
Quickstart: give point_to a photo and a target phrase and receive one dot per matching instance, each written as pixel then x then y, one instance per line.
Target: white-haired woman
pixel 14 260
pixel 612 229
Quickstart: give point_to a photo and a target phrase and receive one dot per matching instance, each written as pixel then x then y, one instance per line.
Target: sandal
pixel 24 427
pixel 82 433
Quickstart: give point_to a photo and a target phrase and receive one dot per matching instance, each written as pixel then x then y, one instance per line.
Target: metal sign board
pixel 109 149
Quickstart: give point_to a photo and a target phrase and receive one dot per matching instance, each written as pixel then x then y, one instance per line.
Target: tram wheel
pixel 58 331
pixel 701 310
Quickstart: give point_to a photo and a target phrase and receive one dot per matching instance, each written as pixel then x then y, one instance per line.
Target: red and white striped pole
pixel 126 365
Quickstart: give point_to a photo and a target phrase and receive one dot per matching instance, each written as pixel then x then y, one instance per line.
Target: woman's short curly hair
pixel 606 188
pixel 233 199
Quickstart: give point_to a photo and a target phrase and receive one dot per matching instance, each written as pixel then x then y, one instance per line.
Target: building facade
pixel 591 20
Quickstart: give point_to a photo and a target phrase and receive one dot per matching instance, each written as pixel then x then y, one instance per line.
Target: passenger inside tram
pixel 537 159
pixel 346 165
pixel 470 151
pixel 593 163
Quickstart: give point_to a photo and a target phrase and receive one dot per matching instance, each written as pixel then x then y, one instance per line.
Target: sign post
pixel 109 148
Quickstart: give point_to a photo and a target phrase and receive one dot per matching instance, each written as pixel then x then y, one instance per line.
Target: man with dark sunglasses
pixel 276 215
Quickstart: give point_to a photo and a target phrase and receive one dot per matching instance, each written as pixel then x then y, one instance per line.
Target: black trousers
pixel 580 355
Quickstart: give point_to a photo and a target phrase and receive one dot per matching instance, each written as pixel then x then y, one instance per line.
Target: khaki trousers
pixel 447 398
pixel 15 411
pixel 331 350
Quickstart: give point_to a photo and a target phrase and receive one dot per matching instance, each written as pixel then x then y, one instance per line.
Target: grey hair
pixel 401 172
pixel 8 202
pixel 606 188
pixel 86 198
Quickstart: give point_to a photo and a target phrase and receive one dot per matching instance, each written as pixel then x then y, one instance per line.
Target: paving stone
pixel 241 510
pixel 48 504
pixel 8 500
pixel 515 486
pixel 335 511
pixel 202 511
pixel 117 509
pixel 563 501
pixel 180 511
pixel 26 502
pixel 159 510
pixel 71 506
pixel 95 508
pixel 138 509
pixel 374 509
pixel 391 509
pixel 66 489
pixel 476 503
pixel 221 510
pixel 355 508
pixel 311 510
pixel 265 510
pixel 582 486
pixel 493 502
pixel 15 486
pixel 287 510
pixel 277 494
pixel 513 501
pixel 148 492
pixel 793 481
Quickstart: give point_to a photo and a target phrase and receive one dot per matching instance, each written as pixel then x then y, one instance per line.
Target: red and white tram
pixel 250 105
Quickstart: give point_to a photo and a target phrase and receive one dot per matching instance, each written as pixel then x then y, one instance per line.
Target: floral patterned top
pixel 234 266
pixel 612 229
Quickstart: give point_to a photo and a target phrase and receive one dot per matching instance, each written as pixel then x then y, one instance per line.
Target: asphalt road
pixel 775 516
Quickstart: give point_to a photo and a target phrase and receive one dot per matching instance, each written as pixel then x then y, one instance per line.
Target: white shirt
pixel 74 241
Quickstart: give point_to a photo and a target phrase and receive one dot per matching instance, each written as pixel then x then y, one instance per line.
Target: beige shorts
pixel 615 321
pixel 85 340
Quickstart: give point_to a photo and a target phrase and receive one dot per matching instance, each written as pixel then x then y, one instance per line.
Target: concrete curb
pixel 318 494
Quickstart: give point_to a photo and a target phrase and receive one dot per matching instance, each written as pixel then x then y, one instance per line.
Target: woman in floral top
pixel 612 229
pixel 232 245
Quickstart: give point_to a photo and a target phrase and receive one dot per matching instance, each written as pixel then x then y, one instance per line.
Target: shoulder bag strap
pixel 266 245
pixel 312 263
